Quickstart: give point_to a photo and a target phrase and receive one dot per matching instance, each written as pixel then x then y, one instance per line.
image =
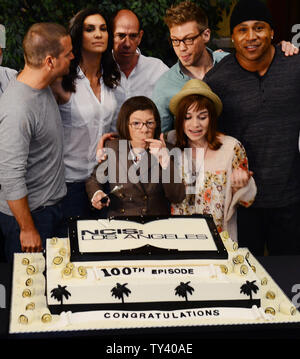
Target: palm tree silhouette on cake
pixel 119 290
pixel 248 288
pixel 59 293
pixel 183 289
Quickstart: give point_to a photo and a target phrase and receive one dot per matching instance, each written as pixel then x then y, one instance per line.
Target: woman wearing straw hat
pixel 215 167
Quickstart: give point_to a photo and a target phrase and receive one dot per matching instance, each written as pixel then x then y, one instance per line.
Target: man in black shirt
pixel 260 91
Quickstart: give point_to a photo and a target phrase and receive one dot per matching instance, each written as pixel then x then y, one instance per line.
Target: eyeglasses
pixel 137 125
pixel 121 36
pixel 186 41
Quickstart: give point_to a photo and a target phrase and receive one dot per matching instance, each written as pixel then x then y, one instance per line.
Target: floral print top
pixel 211 196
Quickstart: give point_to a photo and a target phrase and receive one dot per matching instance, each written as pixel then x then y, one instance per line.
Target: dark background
pixel 18 15
pixel 285 14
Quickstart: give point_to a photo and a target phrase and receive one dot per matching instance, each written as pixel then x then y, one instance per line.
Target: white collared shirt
pixel 141 80
pixel 85 119
pixel 136 157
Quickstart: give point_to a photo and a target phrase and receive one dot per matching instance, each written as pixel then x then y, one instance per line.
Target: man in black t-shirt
pixel 260 91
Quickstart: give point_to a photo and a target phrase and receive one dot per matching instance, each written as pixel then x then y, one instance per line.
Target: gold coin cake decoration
pixel 67 273
pixel 33 303
pixel 253 268
pixel 29 282
pixel 235 260
pixel 270 310
pixel 25 261
pixel 286 308
pixel 264 281
pixel 30 306
pixel 235 246
pixel 82 272
pixel 23 319
pixel 239 259
pixel 38 280
pixel 229 244
pixel 270 295
pixel 244 269
pixel 27 318
pixel 230 266
pixel 70 265
pixel 224 268
pixel 224 235
pixel 241 269
pixel 57 260
pixel 62 251
pixel 46 318
pixel 54 241
pixel 30 270
pixel 26 293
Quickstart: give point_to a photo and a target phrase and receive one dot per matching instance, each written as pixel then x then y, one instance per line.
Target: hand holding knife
pixel 114 190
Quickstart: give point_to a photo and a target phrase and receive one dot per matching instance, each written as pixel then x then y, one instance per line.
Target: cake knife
pixel 115 189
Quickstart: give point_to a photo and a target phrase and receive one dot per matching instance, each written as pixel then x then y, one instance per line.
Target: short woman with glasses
pixel 138 164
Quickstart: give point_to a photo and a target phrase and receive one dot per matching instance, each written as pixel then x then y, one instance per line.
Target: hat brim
pixel 176 99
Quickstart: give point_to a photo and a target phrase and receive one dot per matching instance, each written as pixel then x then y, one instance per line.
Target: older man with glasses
pixel 139 73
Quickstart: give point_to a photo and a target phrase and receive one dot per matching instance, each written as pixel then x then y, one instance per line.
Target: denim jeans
pixel 46 219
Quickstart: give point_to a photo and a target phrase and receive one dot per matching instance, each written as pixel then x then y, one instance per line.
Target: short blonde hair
pixel 184 12
pixel 43 39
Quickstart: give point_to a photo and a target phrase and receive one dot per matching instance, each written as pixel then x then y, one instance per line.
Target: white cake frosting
pixel 179 283
pixel 148 281
pixel 105 235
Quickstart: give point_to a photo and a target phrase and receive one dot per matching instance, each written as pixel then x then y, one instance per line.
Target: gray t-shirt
pixel 31 147
pixel 6 74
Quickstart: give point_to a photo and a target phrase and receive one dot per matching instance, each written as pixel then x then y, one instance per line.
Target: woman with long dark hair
pixel 87 103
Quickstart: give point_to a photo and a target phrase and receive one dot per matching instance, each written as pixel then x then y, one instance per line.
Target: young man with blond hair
pixel 189 35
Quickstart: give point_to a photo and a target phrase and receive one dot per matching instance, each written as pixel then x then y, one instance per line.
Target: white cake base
pixel 284 311
pixel 149 284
